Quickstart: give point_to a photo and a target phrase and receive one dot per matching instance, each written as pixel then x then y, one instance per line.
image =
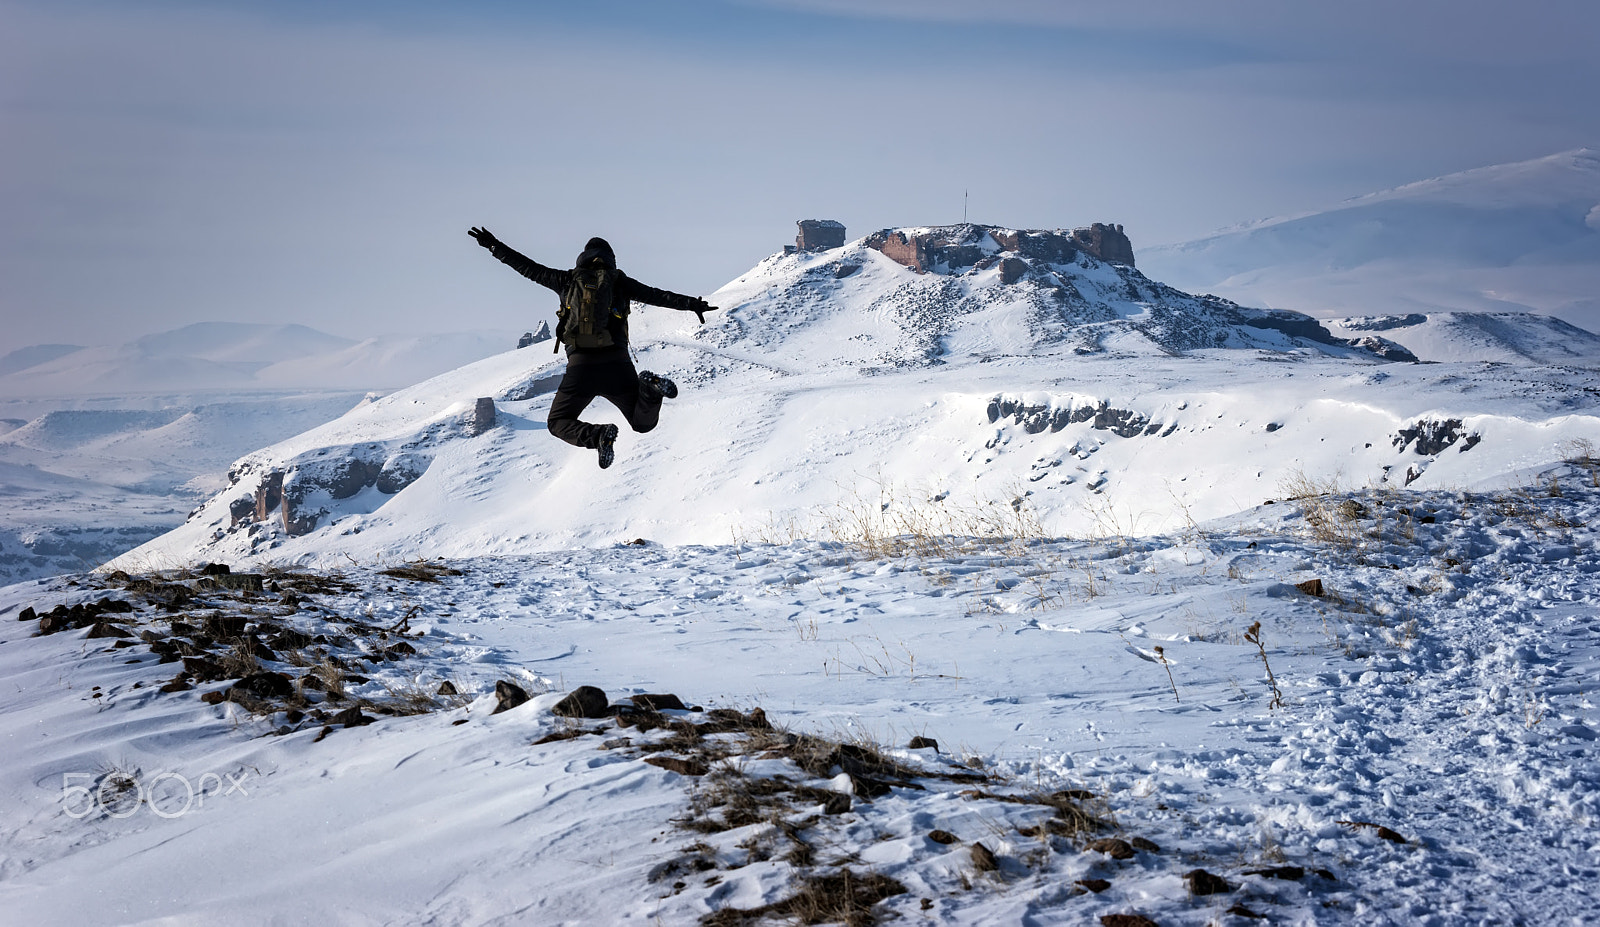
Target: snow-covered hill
pixel 1522 237
pixel 1327 706
pixel 236 356
pixel 1074 388
pixel 1498 337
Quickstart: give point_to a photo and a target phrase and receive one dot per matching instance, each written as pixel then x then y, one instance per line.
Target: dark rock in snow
pixel 224 627
pixel 1012 269
pixel 943 836
pixel 265 685
pixel 1113 847
pixel 242 509
pixel 400 471
pixel 351 717
pixel 1202 882
pixel 447 688
pixel 1094 885
pixel 1140 843
pixel 482 416
pixel 1126 920
pixel 923 743
pixel 664 702
pixel 1312 587
pixel 27 614
pixel 508 695
pixel 1432 437
pixel 1286 873
pixel 215 569
pixel 583 702
pixel 983 858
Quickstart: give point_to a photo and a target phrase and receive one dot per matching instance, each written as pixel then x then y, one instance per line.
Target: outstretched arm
pixel 544 276
pixel 648 294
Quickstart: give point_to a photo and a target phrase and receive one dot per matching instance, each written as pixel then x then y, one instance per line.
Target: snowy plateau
pixel 1023 589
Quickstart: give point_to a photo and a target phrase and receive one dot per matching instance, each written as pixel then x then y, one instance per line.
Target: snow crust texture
pixel 1354 708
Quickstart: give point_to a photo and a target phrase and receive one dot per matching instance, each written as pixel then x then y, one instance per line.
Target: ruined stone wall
pixel 961 246
pixel 819 235
pixel 1106 242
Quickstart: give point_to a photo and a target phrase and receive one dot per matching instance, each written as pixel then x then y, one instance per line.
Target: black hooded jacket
pixel 626 290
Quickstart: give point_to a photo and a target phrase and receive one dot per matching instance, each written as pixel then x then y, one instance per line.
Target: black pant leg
pixel 571 398
pixel 620 387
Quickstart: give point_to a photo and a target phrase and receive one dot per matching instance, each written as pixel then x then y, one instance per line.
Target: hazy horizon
pixel 174 162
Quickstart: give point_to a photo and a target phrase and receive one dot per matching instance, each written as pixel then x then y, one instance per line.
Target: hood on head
pixel 598 249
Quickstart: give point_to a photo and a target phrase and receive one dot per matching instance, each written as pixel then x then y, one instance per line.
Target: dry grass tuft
pixel 841 897
pixel 1329 518
pixel 422 571
pixel 898 523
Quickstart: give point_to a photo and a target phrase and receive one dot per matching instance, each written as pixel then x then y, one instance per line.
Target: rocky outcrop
pixel 954 249
pixel 482 418
pixel 534 337
pixel 400 471
pixel 819 235
pixel 1431 437
pixel 1037 418
pixel 1384 348
pixel 1106 242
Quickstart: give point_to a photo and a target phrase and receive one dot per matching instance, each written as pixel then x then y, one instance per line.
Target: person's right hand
pixel 483 237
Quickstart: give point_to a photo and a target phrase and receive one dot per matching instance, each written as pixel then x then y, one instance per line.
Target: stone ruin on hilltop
pixel 818 235
pixel 960 246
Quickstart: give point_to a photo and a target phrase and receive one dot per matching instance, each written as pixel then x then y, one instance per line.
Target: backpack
pixel 586 312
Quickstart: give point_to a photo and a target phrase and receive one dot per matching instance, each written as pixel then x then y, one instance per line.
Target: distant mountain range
pixel 1522 237
pixel 235 356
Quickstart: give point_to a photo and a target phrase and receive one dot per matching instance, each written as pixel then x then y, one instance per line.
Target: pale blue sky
pixel 315 162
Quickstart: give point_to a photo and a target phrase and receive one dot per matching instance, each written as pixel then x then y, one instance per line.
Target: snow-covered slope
pixel 1422 751
pixel 1079 391
pixel 210 356
pixel 1353 707
pixel 1522 237
pixel 1499 337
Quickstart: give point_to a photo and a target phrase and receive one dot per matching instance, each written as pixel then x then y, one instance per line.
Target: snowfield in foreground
pixel 1423 750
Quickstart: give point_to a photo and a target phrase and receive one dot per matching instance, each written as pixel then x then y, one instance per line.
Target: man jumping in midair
pixel 593 326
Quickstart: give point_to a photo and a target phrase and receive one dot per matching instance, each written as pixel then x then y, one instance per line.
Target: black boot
pixel 656 386
pixel 608 445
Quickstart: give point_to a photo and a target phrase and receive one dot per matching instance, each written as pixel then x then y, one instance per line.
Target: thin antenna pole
pixel 963 207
